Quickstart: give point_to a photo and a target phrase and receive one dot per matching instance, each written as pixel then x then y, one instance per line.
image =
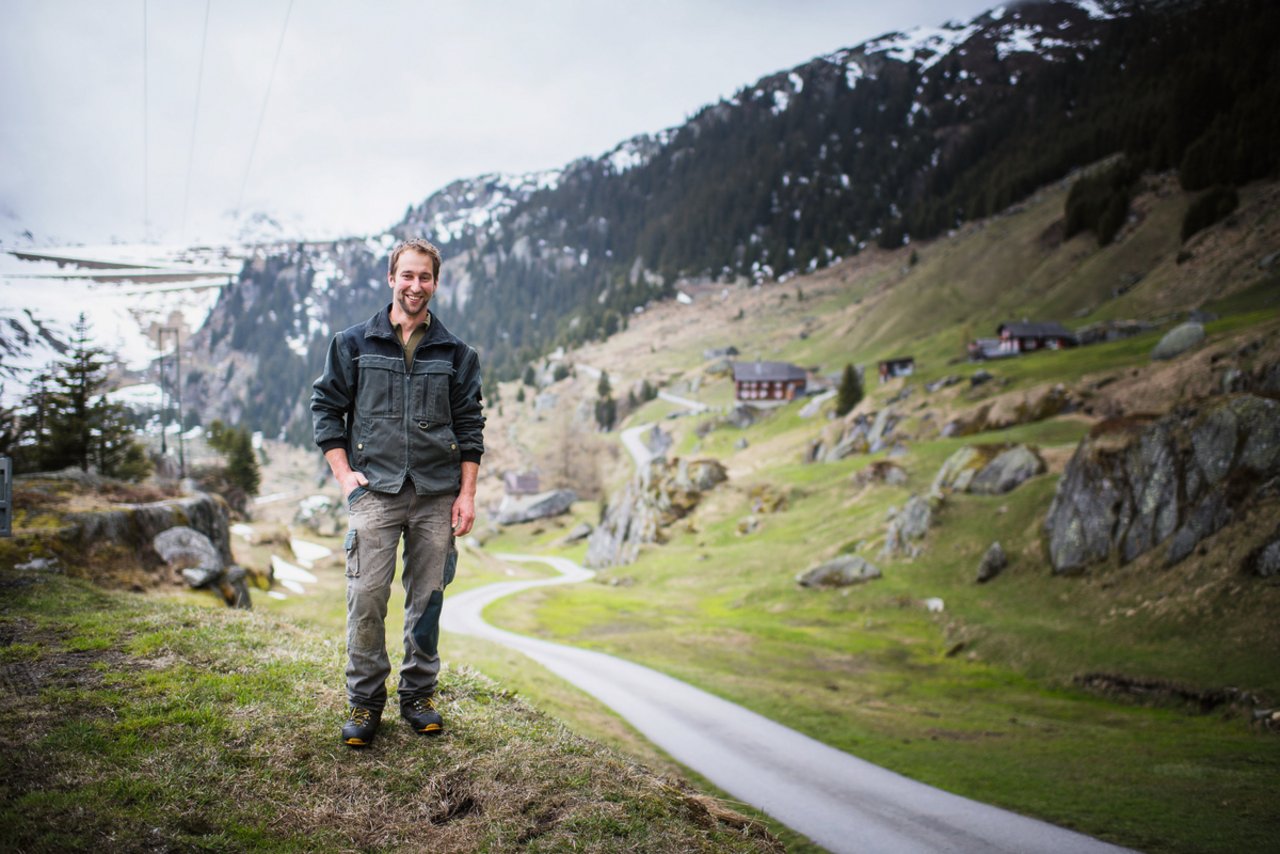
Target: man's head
pixel 412 273
pixel 417 244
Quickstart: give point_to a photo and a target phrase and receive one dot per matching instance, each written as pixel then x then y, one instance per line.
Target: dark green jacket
pixel 396 423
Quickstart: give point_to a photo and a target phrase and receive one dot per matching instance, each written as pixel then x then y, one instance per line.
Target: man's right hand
pixel 350 480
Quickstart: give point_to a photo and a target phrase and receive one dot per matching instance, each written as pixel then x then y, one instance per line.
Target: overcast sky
pixel 373 106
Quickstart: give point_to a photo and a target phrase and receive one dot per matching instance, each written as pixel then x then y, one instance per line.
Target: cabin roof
pixel 767 371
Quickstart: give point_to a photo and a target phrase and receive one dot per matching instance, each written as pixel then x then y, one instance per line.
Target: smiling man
pixel 398 415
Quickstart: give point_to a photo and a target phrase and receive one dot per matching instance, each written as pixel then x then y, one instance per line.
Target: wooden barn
pixel 765 382
pixel 520 483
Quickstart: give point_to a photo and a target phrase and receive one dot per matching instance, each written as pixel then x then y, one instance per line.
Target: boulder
pixel 321 514
pixel 840 572
pixel 526 508
pixel 1178 340
pixel 881 471
pixel 190 555
pixel 907 526
pixel 992 564
pixel 981 377
pixel 742 416
pixel 1007 471
pixel 1133 484
pixel 1265 562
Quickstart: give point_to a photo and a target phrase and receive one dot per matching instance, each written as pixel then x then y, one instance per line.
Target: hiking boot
pixel 361 726
pixel 422 715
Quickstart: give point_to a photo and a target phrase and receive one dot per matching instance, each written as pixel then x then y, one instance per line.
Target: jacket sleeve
pixel 465 403
pixel 332 397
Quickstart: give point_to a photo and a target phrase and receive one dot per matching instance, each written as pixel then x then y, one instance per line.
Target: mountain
pixel 896 140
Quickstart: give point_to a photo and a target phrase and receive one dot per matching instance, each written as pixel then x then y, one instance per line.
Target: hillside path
pixel 839 801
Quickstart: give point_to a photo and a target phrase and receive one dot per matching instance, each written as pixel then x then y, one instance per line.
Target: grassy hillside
pixel 984 698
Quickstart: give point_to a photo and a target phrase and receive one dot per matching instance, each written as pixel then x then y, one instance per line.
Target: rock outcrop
pixel 1136 484
pixel 657 497
pixel 858 434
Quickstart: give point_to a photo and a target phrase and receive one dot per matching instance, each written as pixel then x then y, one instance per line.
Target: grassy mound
pixel 142 723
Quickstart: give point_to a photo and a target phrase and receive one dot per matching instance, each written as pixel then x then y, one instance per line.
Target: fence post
pixel 6 496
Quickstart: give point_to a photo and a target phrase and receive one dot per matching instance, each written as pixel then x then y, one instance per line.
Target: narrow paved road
pixel 837 800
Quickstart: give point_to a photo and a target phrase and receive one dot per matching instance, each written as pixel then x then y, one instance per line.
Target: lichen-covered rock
pixel 1178 340
pixel 840 572
pixel 1133 485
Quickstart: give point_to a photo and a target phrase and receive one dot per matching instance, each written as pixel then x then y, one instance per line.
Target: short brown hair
pixel 417 244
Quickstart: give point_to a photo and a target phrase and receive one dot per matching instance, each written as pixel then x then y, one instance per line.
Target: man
pixel 398 415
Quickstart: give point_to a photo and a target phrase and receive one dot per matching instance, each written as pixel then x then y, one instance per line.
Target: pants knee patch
pixel 426 631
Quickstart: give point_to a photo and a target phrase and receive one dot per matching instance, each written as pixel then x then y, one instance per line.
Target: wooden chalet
pixel 1026 337
pixel 903 366
pixel 766 382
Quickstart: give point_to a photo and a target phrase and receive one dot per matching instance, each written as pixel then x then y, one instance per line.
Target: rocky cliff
pixel 1137 484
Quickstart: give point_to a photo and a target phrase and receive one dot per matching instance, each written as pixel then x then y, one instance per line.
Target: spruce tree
pixel 72 424
pixel 850 393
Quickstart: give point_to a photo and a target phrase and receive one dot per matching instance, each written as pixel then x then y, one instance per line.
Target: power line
pixel 195 119
pixel 262 115
pixel 146 133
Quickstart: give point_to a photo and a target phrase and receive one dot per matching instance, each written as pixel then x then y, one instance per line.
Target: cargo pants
pixel 378 521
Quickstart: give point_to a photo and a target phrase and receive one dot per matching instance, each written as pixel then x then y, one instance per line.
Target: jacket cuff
pixel 472 456
pixel 329 444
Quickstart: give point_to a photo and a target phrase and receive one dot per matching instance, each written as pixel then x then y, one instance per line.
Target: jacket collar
pixel 379 326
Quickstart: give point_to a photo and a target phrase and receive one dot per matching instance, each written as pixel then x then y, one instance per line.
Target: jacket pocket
pixel 431 392
pixel 353 555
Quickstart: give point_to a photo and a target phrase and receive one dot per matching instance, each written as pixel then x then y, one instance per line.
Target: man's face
pixel 413 283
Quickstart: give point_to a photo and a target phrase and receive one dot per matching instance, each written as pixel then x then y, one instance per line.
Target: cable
pixel 146 133
pixel 263 115
pixel 195 119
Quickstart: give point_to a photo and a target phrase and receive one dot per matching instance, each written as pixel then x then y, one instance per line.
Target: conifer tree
pixel 72 423
pixel 850 393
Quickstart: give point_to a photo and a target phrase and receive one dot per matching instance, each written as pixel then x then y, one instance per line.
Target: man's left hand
pixel 464 515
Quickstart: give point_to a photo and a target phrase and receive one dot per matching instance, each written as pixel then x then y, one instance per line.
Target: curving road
pixel 837 800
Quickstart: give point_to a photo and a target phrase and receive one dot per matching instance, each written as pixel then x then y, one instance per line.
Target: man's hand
pixel 464 514
pixel 347 477
pixel 350 480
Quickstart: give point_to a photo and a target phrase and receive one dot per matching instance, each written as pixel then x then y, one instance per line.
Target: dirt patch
pixel 1164 692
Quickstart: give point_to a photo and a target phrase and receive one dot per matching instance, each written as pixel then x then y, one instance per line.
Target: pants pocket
pixel 353 555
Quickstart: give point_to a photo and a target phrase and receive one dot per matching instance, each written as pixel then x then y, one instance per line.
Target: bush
pixel 1208 208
